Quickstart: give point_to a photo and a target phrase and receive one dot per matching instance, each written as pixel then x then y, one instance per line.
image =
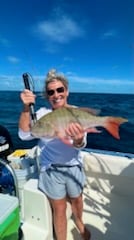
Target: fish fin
pixel 92 130
pixel 92 111
pixel 112 125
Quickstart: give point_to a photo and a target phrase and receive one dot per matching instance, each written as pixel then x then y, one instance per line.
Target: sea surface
pixel 109 104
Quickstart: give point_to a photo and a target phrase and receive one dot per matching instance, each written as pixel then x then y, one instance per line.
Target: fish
pixel 53 124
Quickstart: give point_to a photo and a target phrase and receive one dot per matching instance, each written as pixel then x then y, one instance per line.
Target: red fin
pixel 112 125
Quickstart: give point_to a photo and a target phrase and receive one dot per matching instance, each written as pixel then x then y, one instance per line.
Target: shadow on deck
pixel 108 198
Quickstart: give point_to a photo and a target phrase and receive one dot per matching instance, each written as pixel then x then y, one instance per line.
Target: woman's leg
pixel 77 209
pixel 59 218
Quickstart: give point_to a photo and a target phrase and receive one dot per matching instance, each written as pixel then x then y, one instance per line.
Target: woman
pixel 61 171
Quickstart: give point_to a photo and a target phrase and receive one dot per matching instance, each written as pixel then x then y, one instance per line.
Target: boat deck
pixel 109 216
pixel 108 200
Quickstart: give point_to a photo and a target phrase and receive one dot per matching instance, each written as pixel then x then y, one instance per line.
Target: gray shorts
pixel 59 182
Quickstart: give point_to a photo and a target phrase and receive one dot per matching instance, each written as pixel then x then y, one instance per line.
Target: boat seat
pixel 37 222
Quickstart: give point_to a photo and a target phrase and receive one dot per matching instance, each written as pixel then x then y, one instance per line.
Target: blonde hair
pixel 52 76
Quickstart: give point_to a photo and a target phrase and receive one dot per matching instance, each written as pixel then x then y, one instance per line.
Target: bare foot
pixel 86 235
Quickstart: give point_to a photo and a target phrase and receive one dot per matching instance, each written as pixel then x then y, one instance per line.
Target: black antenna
pixel 27 79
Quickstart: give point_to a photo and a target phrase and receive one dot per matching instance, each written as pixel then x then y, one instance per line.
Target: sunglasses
pixel 58 90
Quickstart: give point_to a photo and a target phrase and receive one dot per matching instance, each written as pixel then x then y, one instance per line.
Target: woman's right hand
pixel 27 97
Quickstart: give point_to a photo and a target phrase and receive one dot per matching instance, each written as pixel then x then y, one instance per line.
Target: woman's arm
pixel 24 121
pixel 27 97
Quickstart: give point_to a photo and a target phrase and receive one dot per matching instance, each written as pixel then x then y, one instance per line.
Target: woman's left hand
pixel 76 132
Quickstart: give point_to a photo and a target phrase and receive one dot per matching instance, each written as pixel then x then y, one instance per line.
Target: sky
pixel 91 42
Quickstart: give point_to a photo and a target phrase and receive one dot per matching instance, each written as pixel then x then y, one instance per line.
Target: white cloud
pixel 77 84
pixel 11 82
pixel 109 34
pixel 15 82
pixel 100 85
pixel 95 81
pixel 61 29
pixel 13 59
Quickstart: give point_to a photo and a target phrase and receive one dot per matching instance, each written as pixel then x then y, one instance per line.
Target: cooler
pixel 9 217
pixel 23 161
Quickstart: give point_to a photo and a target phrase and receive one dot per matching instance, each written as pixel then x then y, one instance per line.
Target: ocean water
pixel 109 105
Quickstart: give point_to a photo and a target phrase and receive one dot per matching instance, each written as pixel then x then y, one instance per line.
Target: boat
pixel 108 197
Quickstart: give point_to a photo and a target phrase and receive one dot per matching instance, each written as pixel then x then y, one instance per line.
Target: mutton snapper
pixel 54 123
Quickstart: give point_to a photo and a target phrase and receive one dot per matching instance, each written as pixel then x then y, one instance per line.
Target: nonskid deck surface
pixel 109 216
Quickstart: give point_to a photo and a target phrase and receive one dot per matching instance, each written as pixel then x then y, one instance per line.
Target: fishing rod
pixel 28 81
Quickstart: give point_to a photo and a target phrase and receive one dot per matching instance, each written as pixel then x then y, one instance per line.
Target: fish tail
pixel 112 125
